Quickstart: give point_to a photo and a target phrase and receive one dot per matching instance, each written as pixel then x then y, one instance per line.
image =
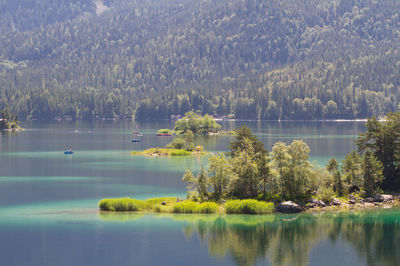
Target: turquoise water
pixel 49 216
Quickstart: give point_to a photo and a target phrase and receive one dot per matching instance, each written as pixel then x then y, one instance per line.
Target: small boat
pixel 136 140
pixel 68 151
pixel 163 135
pixel 135 133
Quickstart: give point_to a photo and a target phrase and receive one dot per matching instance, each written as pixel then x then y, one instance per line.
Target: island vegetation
pixel 250 180
pixel 8 121
pixel 196 123
pixel 181 145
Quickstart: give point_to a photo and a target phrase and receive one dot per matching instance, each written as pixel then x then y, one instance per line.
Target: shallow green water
pixel 49 216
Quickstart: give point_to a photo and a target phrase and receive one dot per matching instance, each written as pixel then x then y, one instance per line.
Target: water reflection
pixel 288 240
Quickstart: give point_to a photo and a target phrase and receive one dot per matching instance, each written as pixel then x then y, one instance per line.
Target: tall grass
pixel 155 202
pixel 207 207
pixel 180 152
pixel 188 206
pixel 121 204
pixel 248 206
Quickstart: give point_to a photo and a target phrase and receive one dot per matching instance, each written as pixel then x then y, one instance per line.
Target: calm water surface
pixel 48 203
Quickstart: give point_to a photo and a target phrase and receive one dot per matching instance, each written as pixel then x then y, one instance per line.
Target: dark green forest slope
pixel 250 59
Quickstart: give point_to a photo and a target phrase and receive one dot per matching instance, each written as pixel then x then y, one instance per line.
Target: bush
pixel 248 206
pixel 121 204
pixel 179 153
pixel 186 206
pixel 155 202
pixel 325 194
pixel 164 131
pixel 176 143
pixel 207 207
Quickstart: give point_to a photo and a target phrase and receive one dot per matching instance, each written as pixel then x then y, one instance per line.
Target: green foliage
pixel 176 152
pixel 155 202
pixel 332 165
pixel 196 124
pixel 8 120
pixel 248 206
pixel 121 204
pixel 220 174
pixel 207 207
pixel 187 142
pixel 186 206
pixel 372 173
pixel 176 143
pixel 245 171
pixel 244 140
pixel 223 64
pixel 382 138
pixel 164 131
pixel 352 172
pixel 325 194
pixel 295 171
pixel 197 186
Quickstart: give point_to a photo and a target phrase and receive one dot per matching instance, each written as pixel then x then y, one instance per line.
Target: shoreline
pixel 168 205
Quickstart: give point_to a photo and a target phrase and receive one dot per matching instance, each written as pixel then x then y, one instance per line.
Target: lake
pixel 49 216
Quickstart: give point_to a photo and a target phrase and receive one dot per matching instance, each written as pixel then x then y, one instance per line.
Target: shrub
pixel 207 207
pixel 248 206
pixel 179 153
pixel 152 203
pixel 186 206
pixel 325 194
pixel 121 204
pixel 176 143
pixel 164 131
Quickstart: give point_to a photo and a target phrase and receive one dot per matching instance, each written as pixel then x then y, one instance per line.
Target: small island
pixel 197 124
pixel 182 145
pixel 248 180
pixel 8 121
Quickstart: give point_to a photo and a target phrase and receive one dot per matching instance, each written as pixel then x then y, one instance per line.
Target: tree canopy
pixel 246 59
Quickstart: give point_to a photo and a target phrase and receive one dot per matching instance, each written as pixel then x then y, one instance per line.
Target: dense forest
pixel 247 59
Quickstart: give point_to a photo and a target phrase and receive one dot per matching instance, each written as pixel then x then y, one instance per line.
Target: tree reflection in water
pixel 288 239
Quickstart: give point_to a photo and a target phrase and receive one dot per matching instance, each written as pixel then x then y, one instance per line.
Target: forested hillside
pixel 249 59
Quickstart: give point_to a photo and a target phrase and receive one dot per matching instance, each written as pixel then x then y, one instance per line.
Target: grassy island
pixel 165 152
pixel 182 145
pixel 173 205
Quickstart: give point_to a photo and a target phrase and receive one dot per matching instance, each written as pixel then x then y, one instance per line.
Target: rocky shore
pixel 384 200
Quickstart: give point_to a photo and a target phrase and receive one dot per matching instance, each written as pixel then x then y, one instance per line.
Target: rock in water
pixel 352 201
pixel 289 207
pixel 383 198
pixel 335 202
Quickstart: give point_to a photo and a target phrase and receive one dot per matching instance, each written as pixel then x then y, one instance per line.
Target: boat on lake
pixel 163 135
pixel 69 151
pixel 136 140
